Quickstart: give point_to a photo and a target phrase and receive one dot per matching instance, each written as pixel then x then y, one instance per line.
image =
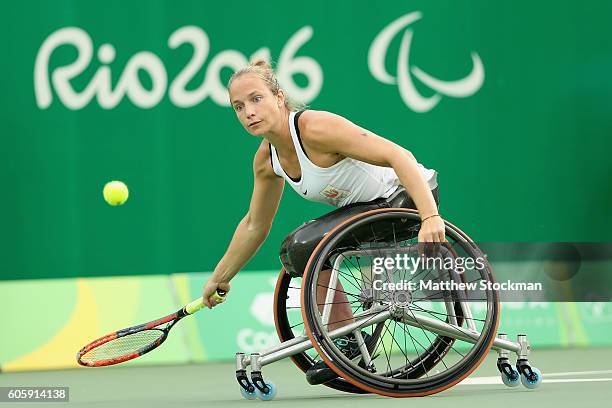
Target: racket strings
pixel 123 345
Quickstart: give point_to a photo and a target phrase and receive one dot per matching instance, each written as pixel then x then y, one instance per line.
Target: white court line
pixel 547 379
pixel 566 380
pixel 497 380
pixel 569 373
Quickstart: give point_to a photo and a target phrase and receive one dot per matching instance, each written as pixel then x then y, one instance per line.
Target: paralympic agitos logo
pixel 101 90
pixel 410 95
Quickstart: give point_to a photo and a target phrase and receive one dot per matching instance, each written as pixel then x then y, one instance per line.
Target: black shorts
pixel 299 244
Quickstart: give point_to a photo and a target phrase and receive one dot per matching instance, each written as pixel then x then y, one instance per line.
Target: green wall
pixel 522 157
pixel 43 334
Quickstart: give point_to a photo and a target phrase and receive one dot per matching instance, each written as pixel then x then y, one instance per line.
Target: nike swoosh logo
pixel 305 192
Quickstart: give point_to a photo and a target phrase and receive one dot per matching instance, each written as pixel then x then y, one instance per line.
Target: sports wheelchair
pixel 425 331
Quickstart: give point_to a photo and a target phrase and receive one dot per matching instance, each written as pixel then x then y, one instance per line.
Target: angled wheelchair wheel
pixel 431 333
pixel 289 324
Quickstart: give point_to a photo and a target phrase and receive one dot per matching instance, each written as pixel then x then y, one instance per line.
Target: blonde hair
pixel 263 70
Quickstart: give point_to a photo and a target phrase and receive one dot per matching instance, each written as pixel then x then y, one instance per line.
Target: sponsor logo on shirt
pixel 334 195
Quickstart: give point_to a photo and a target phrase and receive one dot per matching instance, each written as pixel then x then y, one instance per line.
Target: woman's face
pixel 256 107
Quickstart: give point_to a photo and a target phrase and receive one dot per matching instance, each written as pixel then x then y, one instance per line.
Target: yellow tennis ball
pixel 115 193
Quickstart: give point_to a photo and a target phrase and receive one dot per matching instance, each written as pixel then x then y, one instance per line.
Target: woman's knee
pixel 296 248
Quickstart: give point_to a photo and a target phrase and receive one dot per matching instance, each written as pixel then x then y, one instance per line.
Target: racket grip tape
pixel 198 304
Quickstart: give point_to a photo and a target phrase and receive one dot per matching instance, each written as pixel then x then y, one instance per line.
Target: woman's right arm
pixel 253 229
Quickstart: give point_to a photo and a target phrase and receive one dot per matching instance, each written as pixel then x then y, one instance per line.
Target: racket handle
pixel 198 304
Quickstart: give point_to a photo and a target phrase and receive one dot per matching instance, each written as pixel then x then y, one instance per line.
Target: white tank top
pixel 346 182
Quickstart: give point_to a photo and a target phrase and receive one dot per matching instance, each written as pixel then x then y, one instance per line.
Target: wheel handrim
pixel 431 383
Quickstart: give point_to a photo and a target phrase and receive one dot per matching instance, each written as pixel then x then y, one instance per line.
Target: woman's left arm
pixel 330 133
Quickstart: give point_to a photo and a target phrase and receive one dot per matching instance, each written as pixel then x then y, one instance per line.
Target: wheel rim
pixel 394 382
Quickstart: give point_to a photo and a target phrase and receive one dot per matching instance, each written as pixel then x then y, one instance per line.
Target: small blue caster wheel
pixel 532 383
pixel 268 396
pixel 511 381
pixel 248 395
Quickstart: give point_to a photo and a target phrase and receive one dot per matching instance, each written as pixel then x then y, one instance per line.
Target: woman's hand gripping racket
pixel 127 344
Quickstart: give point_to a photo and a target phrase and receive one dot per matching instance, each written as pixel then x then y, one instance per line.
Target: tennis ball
pixel 115 192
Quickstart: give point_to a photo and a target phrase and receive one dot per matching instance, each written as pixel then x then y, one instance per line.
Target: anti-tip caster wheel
pixel 248 395
pixel 270 394
pixel 534 381
pixel 512 380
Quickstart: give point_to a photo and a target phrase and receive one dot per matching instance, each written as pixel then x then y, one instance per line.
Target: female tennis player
pixel 326 158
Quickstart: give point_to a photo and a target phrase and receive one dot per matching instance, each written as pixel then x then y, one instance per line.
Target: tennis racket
pixel 127 344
